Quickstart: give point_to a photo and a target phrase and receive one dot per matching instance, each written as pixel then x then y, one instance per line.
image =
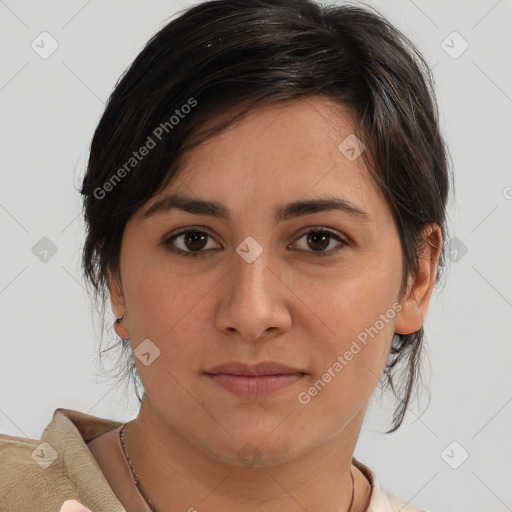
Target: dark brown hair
pixel 222 54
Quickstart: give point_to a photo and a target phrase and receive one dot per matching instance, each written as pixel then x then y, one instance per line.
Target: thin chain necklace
pixel 136 480
pixel 137 483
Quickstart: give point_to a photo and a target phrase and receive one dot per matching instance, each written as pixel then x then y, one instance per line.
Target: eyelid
pixel 186 229
pixel 337 234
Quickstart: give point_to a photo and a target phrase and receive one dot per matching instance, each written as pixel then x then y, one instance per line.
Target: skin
pixel 288 305
pixel 73 506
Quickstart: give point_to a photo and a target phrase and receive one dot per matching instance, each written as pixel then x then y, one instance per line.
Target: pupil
pixel 320 239
pixel 197 238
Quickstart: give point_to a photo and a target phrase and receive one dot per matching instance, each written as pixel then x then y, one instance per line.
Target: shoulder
pixel 15 452
pixel 17 455
pixel 399 504
pixel 41 474
pixel 382 500
pixel 24 476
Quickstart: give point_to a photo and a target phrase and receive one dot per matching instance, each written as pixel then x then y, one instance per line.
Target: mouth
pixel 253 380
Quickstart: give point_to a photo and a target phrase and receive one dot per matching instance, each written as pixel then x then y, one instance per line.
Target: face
pixel 313 289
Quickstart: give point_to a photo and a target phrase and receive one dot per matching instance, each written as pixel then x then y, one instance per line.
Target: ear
pixel 419 289
pixel 115 288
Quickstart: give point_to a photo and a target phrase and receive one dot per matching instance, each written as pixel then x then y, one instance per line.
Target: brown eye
pixel 317 242
pixel 195 240
pixel 190 242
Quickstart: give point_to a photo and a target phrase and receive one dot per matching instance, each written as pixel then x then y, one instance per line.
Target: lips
pixel 253 380
pixel 258 369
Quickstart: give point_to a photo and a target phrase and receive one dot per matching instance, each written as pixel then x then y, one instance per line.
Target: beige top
pixel 39 475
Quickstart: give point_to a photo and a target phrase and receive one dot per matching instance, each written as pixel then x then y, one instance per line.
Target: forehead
pixel 277 154
pixel 308 132
pixel 305 119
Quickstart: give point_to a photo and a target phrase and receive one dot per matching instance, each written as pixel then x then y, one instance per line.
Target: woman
pixel 265 205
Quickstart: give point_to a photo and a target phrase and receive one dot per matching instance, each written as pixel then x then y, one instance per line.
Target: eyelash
pixel 312 229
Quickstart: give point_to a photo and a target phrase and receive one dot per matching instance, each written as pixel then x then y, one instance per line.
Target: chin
pixel 252 449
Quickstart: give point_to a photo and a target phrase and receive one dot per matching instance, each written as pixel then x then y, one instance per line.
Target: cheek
pixel 162 297
pixel 351 368
pixel 348 300
pixel 355 315
pixel 168 310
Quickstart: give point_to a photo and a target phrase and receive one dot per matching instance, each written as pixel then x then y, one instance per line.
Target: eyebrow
pixel 284 212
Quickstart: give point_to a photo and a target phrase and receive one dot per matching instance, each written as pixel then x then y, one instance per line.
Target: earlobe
pixel 416 299
pixel 120 329
pixel 117 302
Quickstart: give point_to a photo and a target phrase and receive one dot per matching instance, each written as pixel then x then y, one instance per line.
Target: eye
pixel 193 242
pixel 190 242
pixel 320 239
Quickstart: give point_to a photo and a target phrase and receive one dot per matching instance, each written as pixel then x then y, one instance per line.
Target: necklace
pixel 136 480
pixel 137 483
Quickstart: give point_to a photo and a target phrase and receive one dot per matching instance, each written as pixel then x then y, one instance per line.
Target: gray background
pixel 49 337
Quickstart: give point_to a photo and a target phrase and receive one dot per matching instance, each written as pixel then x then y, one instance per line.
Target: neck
pixel 178 476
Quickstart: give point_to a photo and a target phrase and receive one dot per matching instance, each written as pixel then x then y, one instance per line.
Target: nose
pixel 254 301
